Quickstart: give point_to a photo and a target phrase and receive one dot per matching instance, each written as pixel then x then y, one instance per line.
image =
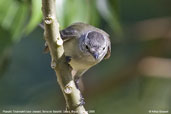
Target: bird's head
pixel 95 44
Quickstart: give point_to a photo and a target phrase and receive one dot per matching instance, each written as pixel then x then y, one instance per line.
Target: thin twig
pixel 59 64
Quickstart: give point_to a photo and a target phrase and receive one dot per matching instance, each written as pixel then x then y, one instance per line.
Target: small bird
pixel 84 47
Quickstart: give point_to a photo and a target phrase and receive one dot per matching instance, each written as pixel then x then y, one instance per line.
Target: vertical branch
pixel 58 63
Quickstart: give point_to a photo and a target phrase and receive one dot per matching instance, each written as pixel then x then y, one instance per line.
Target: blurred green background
pixel 135 80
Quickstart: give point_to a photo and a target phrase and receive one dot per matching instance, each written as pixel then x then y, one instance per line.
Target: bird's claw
pixel 82 102
pixel 68 59
pixel 76 80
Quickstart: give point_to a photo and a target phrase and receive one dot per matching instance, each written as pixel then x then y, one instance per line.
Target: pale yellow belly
pixel 79 60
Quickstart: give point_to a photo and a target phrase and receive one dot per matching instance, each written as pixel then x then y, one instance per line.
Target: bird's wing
pixel 73 31
pixel 68 33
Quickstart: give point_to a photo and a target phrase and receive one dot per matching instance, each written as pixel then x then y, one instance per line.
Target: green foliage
pixel 110 15
pixel 70 11
pixel 13 16
pixel 13 19
pixel 17 18
pixel 36 15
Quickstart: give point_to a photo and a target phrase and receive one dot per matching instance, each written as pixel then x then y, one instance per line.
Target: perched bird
pixel 84 46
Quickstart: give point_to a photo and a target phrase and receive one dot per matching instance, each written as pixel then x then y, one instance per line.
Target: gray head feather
pixel 94 44
pixel 95 39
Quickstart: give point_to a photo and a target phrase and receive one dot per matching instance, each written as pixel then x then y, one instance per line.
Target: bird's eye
pixel 103 48
pixel 86 47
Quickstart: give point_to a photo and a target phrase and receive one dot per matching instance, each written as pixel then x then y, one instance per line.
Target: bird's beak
pixel 95 55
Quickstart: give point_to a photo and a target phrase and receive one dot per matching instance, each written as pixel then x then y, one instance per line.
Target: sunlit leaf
pixel 36 15
pixel 70 11
pixel 13 17
pixel 110 16
pixel 17 28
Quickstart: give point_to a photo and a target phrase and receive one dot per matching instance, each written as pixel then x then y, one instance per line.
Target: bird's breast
pixel 79 60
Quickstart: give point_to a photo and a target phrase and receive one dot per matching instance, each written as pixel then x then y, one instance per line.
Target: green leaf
pixel 13 17
pixel 70 11
pixel 110 15
pixel 19 21
pixel 36 15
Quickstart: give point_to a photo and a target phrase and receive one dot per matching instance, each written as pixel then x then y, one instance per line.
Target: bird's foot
pixel 82 102
pixel 76 106
pixel 68 59
pixel 76 80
